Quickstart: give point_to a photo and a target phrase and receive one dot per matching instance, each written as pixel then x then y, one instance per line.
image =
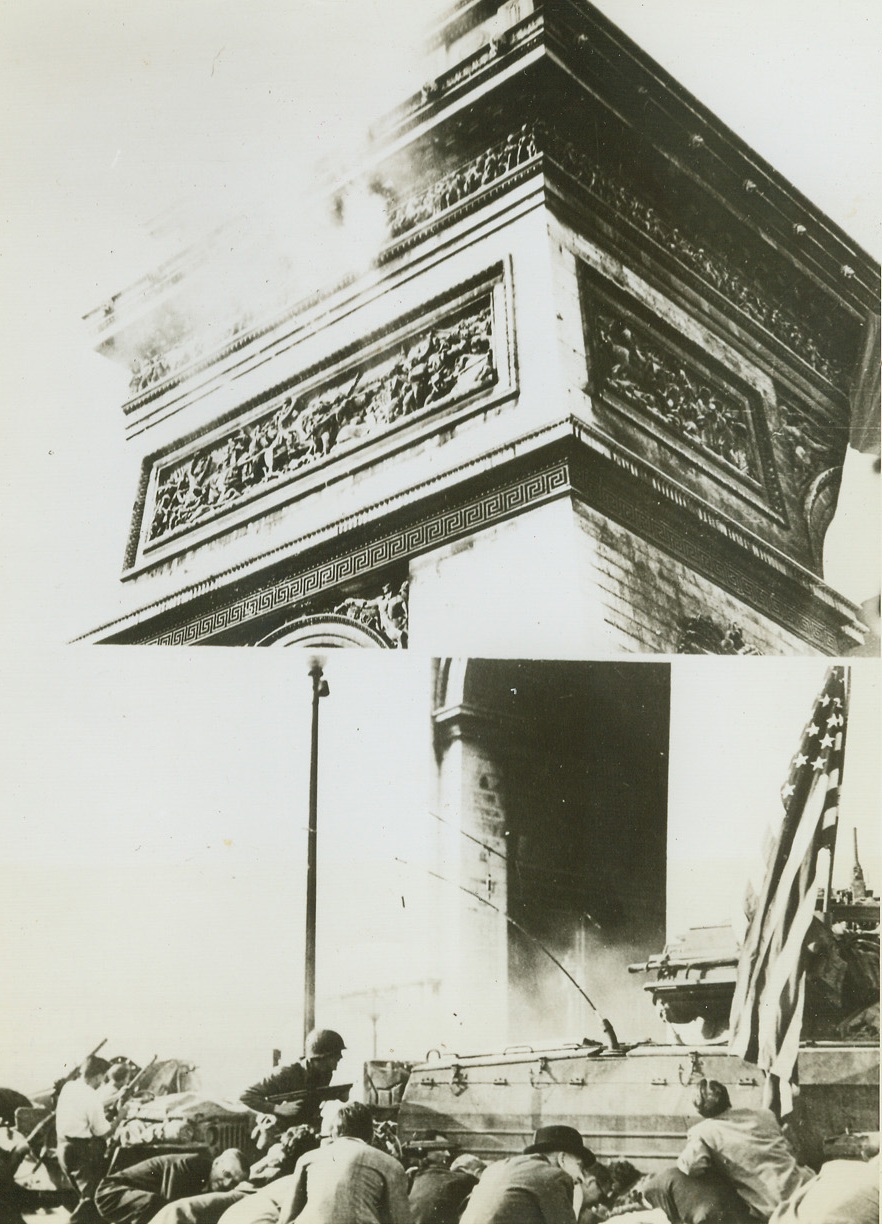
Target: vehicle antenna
pixel 506 858
pixel 609 1032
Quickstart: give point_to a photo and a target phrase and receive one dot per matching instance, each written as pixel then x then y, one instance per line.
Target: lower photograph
pixel 354 938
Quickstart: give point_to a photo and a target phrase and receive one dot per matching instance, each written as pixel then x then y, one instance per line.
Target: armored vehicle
pixel 634 1100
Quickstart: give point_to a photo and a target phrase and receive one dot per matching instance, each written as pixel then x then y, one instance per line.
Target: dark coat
pixel 522 1190
pixel 134 1195
pixel 438 1195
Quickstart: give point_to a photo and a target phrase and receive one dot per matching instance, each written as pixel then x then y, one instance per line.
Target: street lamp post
pixel 319 690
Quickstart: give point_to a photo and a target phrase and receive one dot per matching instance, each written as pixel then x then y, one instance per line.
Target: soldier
pixel 294 1094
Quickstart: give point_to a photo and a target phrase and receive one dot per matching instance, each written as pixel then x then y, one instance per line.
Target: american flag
pixel 766 1015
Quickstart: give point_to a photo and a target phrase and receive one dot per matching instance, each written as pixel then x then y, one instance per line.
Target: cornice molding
pixel 533 149
pixel 567 460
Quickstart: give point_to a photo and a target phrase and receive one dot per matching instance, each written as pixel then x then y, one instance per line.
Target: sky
pixel 152 889
pixel 114 113
pixel 153 801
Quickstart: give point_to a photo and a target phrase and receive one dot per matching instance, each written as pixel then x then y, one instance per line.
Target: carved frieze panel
pixel 764 297
pixel 812 442
pixel 514 150
pixel 702 635
pixel 636 367
pixel 446 359
pixel 714 257
pixel 641 368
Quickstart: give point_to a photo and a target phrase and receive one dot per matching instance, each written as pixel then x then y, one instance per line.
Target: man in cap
pixel 745 1146
pixel 294 1094
pixel 843 1192
pixel 539 1186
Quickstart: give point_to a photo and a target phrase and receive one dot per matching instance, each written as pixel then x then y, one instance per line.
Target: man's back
pixel 172 1176
pixel 79 1113
pixel 748 1147
pixel 844 1192
pixel 347 1180
pixel 521 1190
pixel 437 1194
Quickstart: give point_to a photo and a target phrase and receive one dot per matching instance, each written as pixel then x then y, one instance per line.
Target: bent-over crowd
pixel 330 1164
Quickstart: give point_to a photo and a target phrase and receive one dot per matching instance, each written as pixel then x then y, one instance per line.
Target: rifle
pixel 125 1094
pixel 128 1089
pixel 59 1084
pixel 333 1092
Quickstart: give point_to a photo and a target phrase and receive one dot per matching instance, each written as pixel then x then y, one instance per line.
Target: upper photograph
pixel 545 360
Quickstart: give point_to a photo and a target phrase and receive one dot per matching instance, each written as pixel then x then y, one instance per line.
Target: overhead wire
pixel 609 1032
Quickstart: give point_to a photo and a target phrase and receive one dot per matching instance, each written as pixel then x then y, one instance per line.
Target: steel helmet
pixel 323 1041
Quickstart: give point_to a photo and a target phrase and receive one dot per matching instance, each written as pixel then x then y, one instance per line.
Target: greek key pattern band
pixel 431 532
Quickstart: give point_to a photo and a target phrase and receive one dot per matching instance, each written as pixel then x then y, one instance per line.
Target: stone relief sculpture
pixel 386 614
pixel 702 635
pixel 444 363
pixel 516 149
pixel 654 380
pixel 810 445
pixel 756 292
pixel 148 371
pixel 758 300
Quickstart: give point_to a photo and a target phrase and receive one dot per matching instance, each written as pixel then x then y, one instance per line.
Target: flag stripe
pixel 767 1006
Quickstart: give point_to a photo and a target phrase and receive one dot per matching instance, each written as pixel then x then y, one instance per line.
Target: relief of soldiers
pixel 300 432
pixel 672 393
pixel 517 148
pixel 150 369
pixel 806 453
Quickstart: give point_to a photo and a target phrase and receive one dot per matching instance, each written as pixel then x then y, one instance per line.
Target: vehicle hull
pixel 634 1104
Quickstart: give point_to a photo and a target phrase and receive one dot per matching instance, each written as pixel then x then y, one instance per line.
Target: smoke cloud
pixel 274 203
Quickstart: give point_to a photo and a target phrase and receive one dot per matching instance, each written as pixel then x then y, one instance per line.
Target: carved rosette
pixel 433 369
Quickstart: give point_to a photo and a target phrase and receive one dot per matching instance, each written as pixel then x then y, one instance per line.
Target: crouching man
pixel 135 1195
pixel 540 1186
pixel 746 1147
pixel 345 1181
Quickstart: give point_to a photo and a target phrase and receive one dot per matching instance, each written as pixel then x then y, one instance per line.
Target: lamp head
pixel 316 671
